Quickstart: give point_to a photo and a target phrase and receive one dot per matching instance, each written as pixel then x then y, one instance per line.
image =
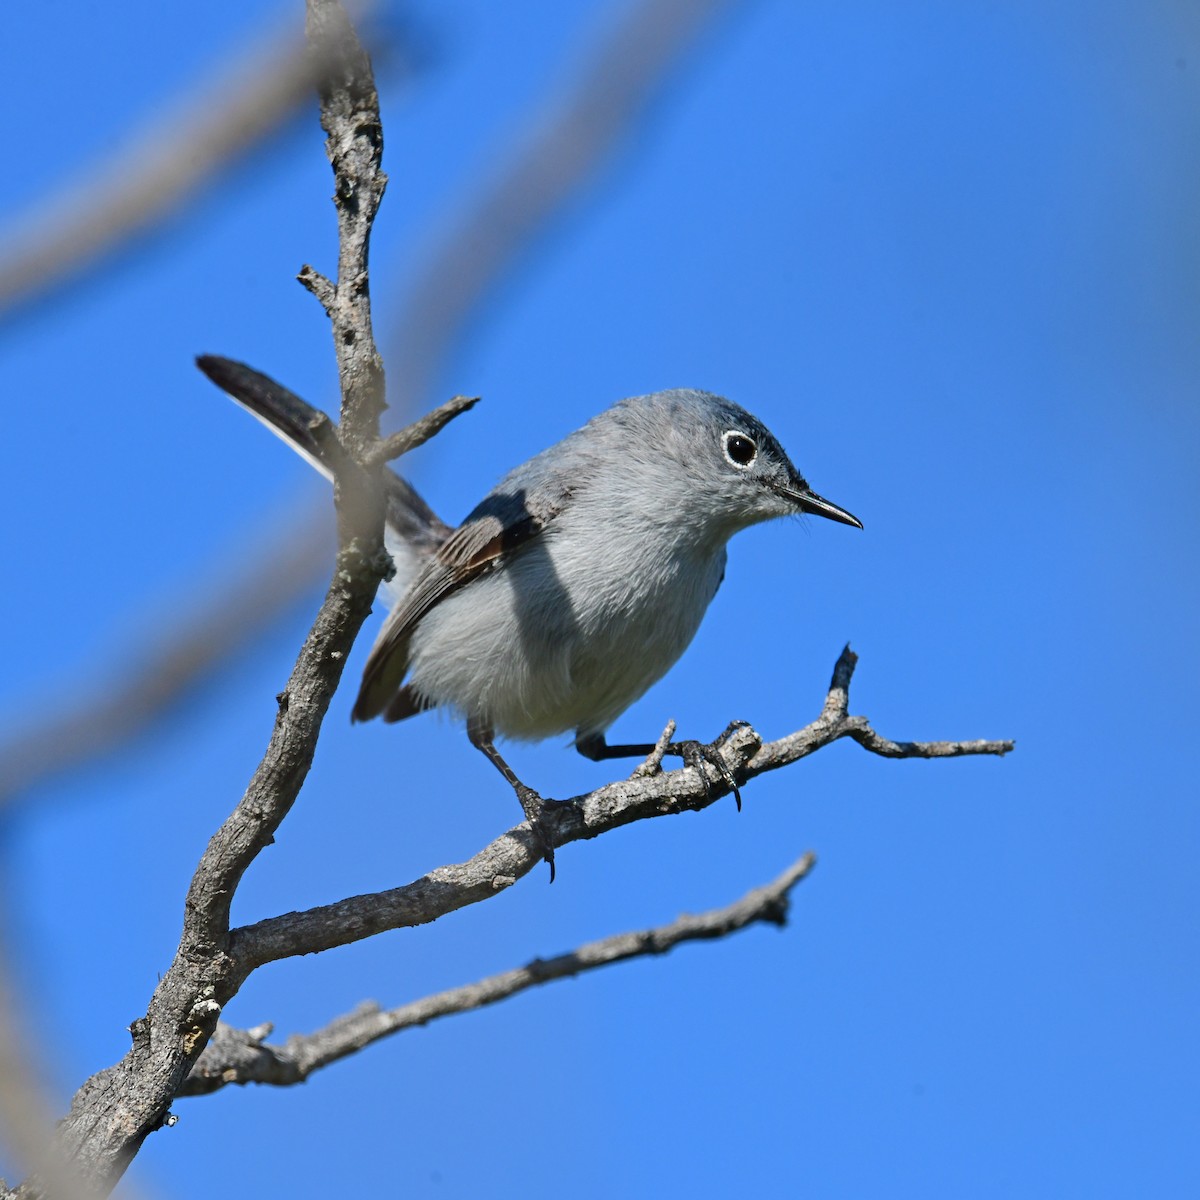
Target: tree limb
pixel 514 853
pixel 243 1056
pixel 836 722
pixel 115 1110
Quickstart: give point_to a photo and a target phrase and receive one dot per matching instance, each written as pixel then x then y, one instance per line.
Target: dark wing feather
pixel 499 526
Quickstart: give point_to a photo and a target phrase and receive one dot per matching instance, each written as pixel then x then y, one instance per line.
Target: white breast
pixel 559 640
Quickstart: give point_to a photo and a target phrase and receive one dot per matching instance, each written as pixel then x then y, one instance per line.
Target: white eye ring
pixel 740 449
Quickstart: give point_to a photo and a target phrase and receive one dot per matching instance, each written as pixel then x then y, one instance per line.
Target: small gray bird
pixel 578 580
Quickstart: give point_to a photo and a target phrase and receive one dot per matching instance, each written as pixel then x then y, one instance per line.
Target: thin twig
pixel 654 760
pixel 836 722
pixel 243 1056
pixel 397 444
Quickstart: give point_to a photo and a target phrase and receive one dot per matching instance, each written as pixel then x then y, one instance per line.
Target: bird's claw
pixel 729 731
pixel 535 809
pixel 697 754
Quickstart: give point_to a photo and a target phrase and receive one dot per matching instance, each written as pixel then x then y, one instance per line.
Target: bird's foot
pixel 536 809
pixel 698 754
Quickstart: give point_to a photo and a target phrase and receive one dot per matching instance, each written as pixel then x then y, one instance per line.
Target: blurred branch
pixel 244 1056
pixel 571 131
pixel 93 721
pixel 567 137
pixel 159 169
pixel 25 1112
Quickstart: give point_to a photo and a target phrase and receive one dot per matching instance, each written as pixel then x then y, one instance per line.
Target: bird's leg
pixel 532 805
pixel 694 754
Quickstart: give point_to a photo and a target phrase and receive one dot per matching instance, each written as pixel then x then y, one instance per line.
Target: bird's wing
pixel 502 524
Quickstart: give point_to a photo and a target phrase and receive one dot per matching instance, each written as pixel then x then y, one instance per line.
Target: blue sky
pixel 949 254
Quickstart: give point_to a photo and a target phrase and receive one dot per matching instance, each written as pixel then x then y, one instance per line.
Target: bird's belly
pixel 548 645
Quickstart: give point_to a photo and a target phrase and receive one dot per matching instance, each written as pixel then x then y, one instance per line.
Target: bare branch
pixel 502 862
pixel 350 117
pixel 319 285
pixel 118 1108
pixel 238 1056
pixel 835 722
pixel 496 867
pixel 354 145
pixel 653 762
pixel 422 429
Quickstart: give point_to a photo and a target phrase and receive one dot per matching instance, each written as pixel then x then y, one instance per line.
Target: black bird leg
pixel 694 754
pixel 532 805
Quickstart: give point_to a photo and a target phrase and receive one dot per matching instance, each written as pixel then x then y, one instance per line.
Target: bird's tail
pixel 415 529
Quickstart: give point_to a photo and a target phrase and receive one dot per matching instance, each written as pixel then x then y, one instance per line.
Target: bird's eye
pixel 739 449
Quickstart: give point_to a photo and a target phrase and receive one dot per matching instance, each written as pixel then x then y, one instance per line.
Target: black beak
pixel 808 501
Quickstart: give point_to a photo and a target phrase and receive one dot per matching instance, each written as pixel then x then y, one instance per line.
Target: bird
pixel 575 584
